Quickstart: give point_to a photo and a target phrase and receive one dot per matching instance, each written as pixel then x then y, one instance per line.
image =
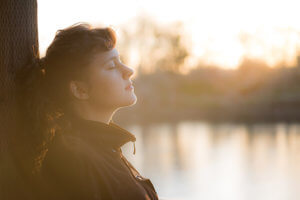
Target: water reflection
pixel 196 160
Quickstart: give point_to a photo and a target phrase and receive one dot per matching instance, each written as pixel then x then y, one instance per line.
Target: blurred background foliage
pixel 166 90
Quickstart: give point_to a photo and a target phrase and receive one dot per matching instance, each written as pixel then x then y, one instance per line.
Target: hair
pixel 43 84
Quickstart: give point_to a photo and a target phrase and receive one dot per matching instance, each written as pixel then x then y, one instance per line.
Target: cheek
pixel 106 87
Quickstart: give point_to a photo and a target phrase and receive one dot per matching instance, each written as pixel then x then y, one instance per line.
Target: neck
pixel 88 113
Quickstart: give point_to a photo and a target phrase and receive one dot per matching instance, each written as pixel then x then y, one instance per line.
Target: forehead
pixel 102 57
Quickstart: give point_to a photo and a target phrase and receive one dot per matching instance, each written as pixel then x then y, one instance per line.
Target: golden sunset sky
pixel 222 32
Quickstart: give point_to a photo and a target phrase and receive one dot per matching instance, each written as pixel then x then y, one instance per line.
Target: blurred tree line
pixel 252 92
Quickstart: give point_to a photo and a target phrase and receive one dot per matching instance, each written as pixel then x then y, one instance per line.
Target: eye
pixel 111 64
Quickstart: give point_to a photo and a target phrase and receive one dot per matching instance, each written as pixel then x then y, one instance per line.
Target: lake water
pixel 198 160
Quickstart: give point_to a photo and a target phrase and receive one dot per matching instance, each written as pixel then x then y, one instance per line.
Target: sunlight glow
pixel 222 32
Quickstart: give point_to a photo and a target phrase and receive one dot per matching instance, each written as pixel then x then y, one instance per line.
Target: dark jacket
pixel 88 163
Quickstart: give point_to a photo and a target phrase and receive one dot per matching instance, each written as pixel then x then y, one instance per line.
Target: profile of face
pixel 109 85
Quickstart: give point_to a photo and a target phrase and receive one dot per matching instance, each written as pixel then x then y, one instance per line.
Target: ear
pixel 79 89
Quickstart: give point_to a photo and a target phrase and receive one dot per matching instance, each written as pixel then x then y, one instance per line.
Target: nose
pixel 127 71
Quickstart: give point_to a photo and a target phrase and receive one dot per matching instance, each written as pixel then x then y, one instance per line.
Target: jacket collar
pixel 109 135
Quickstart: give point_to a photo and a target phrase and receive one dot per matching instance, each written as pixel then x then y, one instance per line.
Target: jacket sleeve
pixel 65 173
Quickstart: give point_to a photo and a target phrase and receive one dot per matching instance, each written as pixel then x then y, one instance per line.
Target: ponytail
pixel 34 111
pixel 29 82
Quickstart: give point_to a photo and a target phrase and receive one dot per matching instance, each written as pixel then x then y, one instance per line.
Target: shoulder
pixel 69 143
pixel 66 149
pixel 63 156
pixel 71 154
pixel 66 169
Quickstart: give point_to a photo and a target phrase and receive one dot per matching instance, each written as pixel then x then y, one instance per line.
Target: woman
pixel 83 83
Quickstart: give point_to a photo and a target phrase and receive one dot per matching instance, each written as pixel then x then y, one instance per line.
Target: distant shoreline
pixel 157 117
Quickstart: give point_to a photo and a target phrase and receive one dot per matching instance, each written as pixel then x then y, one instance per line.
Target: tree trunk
pixel 18 45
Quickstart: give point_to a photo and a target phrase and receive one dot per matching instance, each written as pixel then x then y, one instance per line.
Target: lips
pixel 130 86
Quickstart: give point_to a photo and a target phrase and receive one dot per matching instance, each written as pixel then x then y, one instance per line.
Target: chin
pixel 130 101
pixel 133 99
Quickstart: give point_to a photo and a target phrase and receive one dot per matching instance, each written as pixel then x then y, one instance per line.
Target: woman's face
pixel 109 81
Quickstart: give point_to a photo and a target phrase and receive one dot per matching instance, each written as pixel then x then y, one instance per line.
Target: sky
pixel 223 32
